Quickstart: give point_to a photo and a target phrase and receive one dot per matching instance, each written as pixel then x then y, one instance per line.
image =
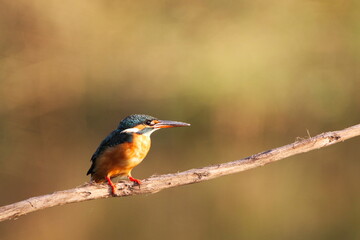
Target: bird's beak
pixel 170 124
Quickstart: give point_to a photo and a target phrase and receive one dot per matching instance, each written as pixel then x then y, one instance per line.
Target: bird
pixel 125 148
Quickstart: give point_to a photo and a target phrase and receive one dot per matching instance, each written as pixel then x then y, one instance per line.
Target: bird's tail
pixel 91 170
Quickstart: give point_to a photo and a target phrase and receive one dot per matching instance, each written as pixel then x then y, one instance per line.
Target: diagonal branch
pixel 157 183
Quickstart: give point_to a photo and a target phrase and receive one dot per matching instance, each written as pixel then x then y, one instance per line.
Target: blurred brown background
pixel 248 76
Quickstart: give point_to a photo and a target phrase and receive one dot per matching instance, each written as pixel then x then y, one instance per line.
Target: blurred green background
pixel 248 76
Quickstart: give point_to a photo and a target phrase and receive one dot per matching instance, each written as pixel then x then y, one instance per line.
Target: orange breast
pixel 120 159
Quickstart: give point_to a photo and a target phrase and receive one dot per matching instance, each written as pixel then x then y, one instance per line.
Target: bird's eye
pixel 149 122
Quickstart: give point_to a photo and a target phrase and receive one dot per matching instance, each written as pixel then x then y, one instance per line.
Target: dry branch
pixel 156 183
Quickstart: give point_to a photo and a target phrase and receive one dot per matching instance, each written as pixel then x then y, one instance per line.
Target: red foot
pixel 134 180
pixel 112 185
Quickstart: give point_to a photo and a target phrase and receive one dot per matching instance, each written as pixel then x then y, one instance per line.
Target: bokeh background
pixel 248 76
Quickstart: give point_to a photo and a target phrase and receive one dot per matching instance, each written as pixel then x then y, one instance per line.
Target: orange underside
pixel 121 159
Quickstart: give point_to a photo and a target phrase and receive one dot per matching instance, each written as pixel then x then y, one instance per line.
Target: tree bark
pixel 155 184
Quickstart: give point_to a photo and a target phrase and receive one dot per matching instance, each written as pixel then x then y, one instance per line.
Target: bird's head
pixel 145 124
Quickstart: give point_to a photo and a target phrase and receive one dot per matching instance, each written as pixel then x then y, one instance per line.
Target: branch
pixel 155 184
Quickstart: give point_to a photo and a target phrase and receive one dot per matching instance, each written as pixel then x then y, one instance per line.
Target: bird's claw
pixel 136 181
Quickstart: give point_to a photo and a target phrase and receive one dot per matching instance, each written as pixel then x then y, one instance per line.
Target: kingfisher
pixel 125 148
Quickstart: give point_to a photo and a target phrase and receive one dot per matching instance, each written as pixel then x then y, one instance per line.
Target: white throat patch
pixel 136 130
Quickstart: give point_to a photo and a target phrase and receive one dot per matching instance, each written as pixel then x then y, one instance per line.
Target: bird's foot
pixel 112 185
pixel 134 180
